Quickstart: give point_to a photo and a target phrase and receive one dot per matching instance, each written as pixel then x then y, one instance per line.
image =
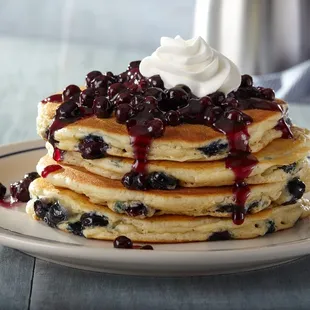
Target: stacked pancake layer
pixel 86 196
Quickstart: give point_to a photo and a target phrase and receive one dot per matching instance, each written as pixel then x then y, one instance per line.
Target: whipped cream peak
pixel 193 63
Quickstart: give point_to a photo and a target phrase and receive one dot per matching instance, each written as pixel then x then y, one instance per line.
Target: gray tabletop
pixel 46 45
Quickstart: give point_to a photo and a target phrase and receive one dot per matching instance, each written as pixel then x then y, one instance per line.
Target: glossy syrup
pixel 240 160
pixel 50 169
pixel 141 142
pixel 57 98
pixel 58 155
pixel 286 130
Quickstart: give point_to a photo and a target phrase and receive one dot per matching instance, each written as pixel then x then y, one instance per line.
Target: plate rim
pixel 9 237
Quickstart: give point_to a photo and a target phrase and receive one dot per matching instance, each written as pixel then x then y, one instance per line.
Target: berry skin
pixel 156 81
pixel 173 118
pixel 87 97
pixel 160 180
pixel 266 93
pixel 122 113
pixel 246 81
pixel 2 191
pixel 90 76
pixel 70 91
pixel 92 147
pixel 134 180
pixel 102 107
pixel 156 127
pixel 100 81
pixel 122 242
pixel 114 89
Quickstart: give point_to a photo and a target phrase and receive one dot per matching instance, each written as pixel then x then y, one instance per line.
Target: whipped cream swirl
pixel 193 63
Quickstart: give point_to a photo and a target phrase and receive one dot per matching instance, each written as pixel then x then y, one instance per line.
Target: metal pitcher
pixel 260 36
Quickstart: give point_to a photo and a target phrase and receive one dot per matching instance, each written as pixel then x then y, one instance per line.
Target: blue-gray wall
pixel 47 44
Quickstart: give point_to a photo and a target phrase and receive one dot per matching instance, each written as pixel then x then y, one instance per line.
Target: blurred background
pixel 46 45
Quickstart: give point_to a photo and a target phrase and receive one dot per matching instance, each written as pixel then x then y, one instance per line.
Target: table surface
pixel 55 47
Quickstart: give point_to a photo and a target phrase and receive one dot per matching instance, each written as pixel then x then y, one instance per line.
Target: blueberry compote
pixel 49 169
pixel 19 191
pixel 51 212
pixel 123 242
pixel 146 107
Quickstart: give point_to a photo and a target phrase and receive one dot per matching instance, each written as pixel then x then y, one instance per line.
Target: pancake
pixel 215 201
pixel 277 163
pixel 164 229
pixel 186 142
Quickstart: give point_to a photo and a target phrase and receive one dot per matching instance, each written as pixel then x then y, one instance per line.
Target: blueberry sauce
pixel 122 242
pixel 58 155
pixel 286 130
pixel 19 191
pixel 146 107
pixel 2 191
pixel 57 98
pixel 50 169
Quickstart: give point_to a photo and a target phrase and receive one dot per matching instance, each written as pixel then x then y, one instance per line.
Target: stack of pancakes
pixel 199 208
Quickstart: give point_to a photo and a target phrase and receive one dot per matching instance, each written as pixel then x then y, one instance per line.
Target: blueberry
pixel 55 214
pixel 19 190
pixel 252 206
pixel 296 188
pixel 226 208
pixel 122 78
pixel 211 115
pixel 31 176
pixel 160 180
pixel 100 81
pixel 173 118
pixel 40 208
pixel 93 219
pixel 90 76
pixel 156 81
pixel 220 236
pixel 87 97
pixel 185 88
pixel 267 93
pixel 70 91
pixel 246 81
pixel 76 228
pixel 217 97
pixel 134 64
pixel 123 113
pixel 123 97
pixel 234 115
pixel 2 191
pixel 135 180
pixel 122 242
pixel 156 127
pixel 215 148
pixel 137 104
pixel 288 168
pixel 68 111
pixel 103 108
pixel 114 89
pixel 134 74
pixel 176 98
pixel 155 92
pixel 243 93
pixel 138 209
pixel 93 147
pixel 271 227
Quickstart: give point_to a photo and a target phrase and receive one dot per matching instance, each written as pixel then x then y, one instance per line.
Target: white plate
pixel 18 231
